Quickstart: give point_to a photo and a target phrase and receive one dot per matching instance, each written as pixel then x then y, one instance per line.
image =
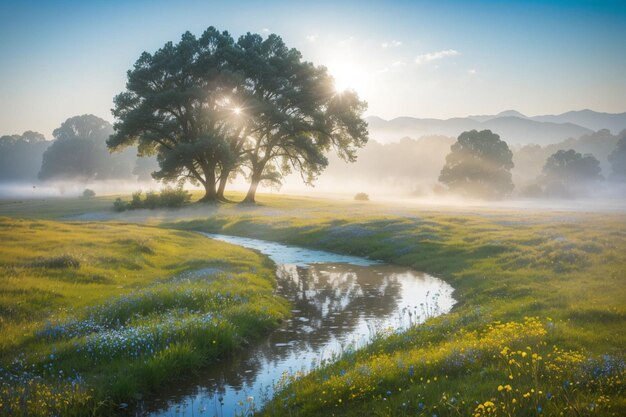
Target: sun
pixel 348 76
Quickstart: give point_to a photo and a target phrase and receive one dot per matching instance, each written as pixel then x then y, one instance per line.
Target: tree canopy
pixel 571 167
pixel 210 108
pixel 617 158
pixel 294 113
pixel 21 156
pixel 79 152
pixel 479 164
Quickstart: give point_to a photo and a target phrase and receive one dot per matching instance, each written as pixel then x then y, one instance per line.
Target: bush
pixel 361 197
pixel 174 197
pixel 119 205
pixel 169 197
pixel 136 200
pixel 89 193
pixel 152 200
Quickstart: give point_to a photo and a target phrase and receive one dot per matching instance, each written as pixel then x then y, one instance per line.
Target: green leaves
pixel 479 164
pixel 210 106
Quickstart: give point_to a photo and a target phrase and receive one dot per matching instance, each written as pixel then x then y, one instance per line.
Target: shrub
pixel 89 193
pixel 152 200
pixel 361 197
pixel 168 197
pixel 136 200
pixel 174 197
pixel 119 205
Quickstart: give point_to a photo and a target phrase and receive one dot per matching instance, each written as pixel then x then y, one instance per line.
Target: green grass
pixel 54 207
pixel 528 282
pixel 92 314
pixel 564 270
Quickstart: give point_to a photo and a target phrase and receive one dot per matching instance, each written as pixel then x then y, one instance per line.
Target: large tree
pixel 21 156
pixel 176 106
pixel 617 158
pixel 210 108
pixel 79 152
pixel 479 164
pixel 571 167
pixel 294 113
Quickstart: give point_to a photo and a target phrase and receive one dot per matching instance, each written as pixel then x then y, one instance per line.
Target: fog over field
pixel 303 209
pixel 391 166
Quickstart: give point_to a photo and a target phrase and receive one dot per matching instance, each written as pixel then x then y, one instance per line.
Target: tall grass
pixel 564 270
pixel 539 328
pixel 170 303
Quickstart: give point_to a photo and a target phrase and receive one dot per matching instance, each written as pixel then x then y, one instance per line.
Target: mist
pixel 402 172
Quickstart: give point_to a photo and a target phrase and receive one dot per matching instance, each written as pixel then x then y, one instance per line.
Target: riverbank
pixel 96 315
pixel 538 330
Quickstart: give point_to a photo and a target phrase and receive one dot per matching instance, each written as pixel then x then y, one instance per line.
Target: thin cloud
pixel 434 56
pixel 471 71
pixel 312 38
pixel 393 44
pixel 347 41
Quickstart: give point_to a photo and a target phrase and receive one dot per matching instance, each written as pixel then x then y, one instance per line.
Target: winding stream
pixel 338 302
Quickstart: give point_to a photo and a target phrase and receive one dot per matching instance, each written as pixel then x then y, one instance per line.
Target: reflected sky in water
pixel 338 302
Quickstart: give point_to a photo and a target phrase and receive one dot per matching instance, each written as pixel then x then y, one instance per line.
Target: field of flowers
pixel 164 304
pixel 540 327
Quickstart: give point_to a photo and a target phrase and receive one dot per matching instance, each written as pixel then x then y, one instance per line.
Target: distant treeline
pixel 538 171
pixel 77 152
pixel 569 168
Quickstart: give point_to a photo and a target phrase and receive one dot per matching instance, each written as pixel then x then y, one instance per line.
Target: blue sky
pixel 406 58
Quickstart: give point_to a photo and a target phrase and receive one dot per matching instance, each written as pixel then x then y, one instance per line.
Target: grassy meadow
pixel 539 328
pixel 93 315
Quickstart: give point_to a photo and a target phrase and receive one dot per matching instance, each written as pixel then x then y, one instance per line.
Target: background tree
pixel 479 164
pixel 144 167
pixel 175 107
pixel 617 158
pixel 571 167
pixel 79 152
pixel 21 156
pixel 294 114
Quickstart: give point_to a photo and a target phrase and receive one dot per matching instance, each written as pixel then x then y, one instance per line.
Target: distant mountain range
pixel 512 126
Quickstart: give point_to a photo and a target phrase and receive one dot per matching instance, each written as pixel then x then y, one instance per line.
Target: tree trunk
pixel 254 183
pixel 210 192
pixel 222 186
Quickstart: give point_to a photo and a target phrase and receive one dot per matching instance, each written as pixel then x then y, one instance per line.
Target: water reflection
pixel 335 306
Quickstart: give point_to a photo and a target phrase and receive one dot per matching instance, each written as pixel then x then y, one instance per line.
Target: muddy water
pixel 338 303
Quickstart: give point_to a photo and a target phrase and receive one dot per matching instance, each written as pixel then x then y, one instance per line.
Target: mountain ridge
pixel 513 126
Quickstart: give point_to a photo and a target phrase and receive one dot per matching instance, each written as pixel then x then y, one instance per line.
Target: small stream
pixel 338 302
